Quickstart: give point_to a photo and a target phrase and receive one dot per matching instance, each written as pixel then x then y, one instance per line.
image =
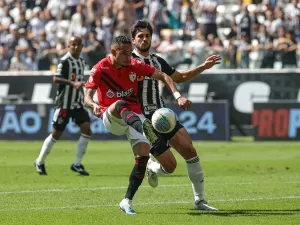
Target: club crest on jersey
pixel 132 76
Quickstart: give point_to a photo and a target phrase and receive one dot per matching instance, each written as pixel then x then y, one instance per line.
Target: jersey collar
pixel 139 55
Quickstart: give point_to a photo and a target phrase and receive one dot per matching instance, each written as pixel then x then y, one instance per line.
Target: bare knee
pixel 56 134
pixel 167 161
pixel 187 151
pixel 170 167
pixel 85 129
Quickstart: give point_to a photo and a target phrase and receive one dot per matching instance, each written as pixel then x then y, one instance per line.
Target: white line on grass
pixel 145 204
pixel 120 188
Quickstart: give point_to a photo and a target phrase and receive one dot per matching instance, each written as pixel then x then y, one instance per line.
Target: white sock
pixel 46 149
pixel 156 168
pixel 81 148
pixel 195 174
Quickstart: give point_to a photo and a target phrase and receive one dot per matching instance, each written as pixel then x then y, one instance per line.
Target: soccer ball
pixel 164 120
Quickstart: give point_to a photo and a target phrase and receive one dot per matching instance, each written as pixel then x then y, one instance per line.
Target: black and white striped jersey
pixel 72 69
pixel 148 93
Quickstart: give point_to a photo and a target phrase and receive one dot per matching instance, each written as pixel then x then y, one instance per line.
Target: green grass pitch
pixel 251 183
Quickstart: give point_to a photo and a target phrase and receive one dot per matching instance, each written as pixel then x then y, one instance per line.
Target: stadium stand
pixel 247 34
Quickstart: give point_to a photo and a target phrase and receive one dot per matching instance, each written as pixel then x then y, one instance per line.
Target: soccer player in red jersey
pixel 115 79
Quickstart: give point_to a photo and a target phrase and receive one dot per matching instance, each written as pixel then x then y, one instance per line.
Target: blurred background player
pixel 115 79
pixel 68 104
pixel 179 139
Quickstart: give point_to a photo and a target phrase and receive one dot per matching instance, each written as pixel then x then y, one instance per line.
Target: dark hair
pixel 119 40
pixel 139 25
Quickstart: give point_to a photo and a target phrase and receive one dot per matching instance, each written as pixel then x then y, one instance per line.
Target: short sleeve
pixel 62 69
pixel 143 69
pixel 165 67
pixel 94 78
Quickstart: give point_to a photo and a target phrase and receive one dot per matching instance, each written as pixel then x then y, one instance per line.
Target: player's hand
pixel 184 103
pixel 96 110
pixel 78 85
pixel 211 61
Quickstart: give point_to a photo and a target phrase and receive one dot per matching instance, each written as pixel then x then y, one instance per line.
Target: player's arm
pixel 62 74
pixel 167 80
pixel 90 90
pixel 183 76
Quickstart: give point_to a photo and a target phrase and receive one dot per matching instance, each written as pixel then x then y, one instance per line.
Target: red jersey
pixel 118 84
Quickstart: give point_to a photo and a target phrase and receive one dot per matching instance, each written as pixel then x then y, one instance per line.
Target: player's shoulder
pixel 103 64
pixel 157 57
pixel 135 61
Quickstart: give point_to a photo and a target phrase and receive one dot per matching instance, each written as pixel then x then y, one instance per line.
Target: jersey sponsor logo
pixel 104 68
pixel 110 93
pixel 119 94
pixel 91 79
pixel 141 78
pixel 132 76
pixel 150 107
pixel 124 93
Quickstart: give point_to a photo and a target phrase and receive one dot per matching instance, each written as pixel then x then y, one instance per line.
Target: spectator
pixel 266 47
pixel 139 9
pixel 4 58
pixel 244 48
pixel 287 48
pixel 208 12
pixel 196 49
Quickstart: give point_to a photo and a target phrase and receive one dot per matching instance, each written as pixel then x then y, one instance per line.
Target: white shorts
pixel 118 127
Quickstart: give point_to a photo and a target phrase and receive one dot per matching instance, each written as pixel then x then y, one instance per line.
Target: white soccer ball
pixel 164 120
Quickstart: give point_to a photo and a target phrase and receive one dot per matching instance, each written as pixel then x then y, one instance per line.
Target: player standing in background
pixel 68 104
pixel 115 79
pixel 179 139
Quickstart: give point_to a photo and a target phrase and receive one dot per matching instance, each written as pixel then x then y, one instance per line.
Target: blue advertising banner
pixel 205 121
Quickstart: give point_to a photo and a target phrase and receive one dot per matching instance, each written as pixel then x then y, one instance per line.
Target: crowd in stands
pixel 247 34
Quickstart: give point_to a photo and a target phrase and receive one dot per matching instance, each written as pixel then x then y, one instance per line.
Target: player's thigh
pixel 82 119
pixel 167 161
pixel 113 124
pixel 135 137
pixel 182 143
pixel 60 119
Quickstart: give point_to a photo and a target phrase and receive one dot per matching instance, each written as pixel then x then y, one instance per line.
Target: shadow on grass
pixel 250 212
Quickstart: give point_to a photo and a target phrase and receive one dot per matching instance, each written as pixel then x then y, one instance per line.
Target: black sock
pixel 136 176
pixel 132 119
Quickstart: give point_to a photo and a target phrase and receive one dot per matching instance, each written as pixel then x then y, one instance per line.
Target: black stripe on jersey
pixel 150 86
pixel 77 95
pixel 108 84
pixel 68 97
pixel 117 86
pixel 112 85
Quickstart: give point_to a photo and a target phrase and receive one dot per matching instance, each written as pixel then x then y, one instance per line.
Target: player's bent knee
pixel 169 167
pixel 85 129
pixel 56 134
pixel 120 105
pixel 168 162
pixel 188 151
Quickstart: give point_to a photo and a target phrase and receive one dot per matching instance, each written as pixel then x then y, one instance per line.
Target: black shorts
pixel 163 143
pixel 61 117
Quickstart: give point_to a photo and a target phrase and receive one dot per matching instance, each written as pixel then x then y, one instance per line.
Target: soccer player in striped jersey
pixel 68 104
pixel 178 139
